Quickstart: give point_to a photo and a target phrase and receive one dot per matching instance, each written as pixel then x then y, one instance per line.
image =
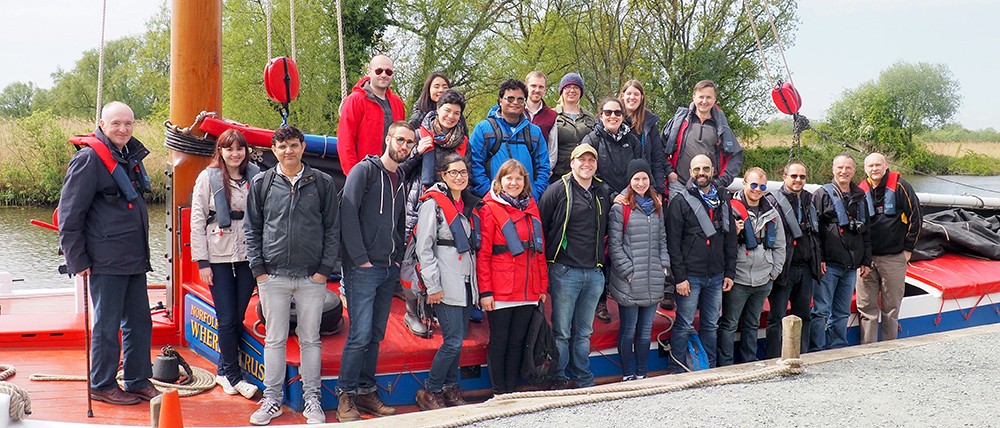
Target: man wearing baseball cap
pixel 574 213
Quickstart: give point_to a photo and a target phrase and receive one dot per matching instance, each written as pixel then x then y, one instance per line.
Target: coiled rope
pixel 180 139
pixel 200 381
pixel 651 386
pixel 6 371
pixel 20 403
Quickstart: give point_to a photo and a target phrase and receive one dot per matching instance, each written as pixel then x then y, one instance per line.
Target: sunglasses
pixel 387 71
pixel 458 173
pixel 404 142
pixel 756 186
pixel 514 100
pixel 797 176
pixel 610 113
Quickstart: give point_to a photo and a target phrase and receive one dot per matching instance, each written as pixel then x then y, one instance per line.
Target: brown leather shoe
pixel 453 396
pixel 346 410
pixel 114 395
pixel 372 403
pixel 146 394
pixel 428 400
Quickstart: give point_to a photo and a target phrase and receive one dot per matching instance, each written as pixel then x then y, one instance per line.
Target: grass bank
pixel 35 151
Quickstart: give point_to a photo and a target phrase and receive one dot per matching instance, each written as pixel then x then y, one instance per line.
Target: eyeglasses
pixel 387 71
pixel 756 186
pixel 457 173
pixel 610 113
pixel 797 176
pixel 405 142
pixel 512 99
pixel 701 169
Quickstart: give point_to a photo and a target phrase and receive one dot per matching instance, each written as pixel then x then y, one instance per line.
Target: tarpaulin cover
pixel 958 231
pixel 958 276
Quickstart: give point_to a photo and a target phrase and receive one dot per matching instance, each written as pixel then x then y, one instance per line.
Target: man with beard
pixel 365 115
pixel 701 240
pixel 373 224
pixel 802 256
pixel 538 112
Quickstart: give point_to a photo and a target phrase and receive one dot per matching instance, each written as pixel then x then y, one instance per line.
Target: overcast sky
pixel 839 44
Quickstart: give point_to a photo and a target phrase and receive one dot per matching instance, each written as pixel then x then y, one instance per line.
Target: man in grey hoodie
pixel 760 256
pixel 373 225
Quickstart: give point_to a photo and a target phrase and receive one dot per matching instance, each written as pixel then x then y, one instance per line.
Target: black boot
pixel 602 311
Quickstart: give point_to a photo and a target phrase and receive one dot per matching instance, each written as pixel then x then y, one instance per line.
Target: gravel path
pixel 947 384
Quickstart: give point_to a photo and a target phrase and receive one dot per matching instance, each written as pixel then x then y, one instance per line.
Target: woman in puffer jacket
pixel 219 247
pixel 513 276
pixel 637 246
pixel 446 239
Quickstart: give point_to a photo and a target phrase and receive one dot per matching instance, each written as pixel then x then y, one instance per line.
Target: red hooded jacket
pixel 508 278
pixel 359 132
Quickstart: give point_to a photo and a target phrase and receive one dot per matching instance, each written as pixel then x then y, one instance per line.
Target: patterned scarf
pixel 446 139
pixel 520 202
pixel 711 198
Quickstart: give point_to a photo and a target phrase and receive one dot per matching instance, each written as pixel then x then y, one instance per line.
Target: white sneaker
pixel 226 386
pixel 314 411
pixel 269 409
pixel 246 389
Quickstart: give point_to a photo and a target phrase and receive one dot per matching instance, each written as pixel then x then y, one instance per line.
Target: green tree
pixel 16 99
pixel 906 99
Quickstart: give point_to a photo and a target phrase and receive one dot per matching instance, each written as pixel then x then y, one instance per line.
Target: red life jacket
pixel 462 241
pixel 888 200
pixel 509 230
pixel 117 172
pixel 723 157
pixel 749 235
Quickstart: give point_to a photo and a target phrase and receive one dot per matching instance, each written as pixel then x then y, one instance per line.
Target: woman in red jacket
pixel 512 272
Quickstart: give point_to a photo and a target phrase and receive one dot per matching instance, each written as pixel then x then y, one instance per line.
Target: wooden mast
pixel 195 86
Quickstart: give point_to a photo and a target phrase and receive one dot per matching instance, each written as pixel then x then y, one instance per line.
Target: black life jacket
pixel 703 216
pixel 843 219
pixel 791 216
pixel 750 236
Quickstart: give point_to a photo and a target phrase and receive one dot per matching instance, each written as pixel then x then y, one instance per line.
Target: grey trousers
pixel 885 283
pixel 276 293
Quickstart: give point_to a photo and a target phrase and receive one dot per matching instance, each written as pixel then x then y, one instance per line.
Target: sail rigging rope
pixel 340 40
pixel 100 65
pixel 267 18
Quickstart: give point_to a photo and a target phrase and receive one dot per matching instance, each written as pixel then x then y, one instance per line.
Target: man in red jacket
pixel 366 114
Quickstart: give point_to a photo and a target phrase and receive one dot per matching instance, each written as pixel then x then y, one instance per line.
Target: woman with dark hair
pixel 637 249
pixel 446 240
pixel 219 247
pixel 513 276
pixel 572 124
pixel 440 134
pixel 430 93
pixel 644 124
pixel 616 146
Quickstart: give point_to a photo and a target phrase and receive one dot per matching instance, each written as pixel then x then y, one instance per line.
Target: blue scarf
pixel 645 203
pixel 711 198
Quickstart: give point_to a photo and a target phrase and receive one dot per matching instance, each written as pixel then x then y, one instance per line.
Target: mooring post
pixel 791 340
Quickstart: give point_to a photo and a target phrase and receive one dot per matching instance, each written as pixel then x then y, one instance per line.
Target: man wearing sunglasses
pixel 506 133
pixel 798 278
pixel 760 256
pixel 701 128
pixel 701 240
pixel 373 224
pixel 366 113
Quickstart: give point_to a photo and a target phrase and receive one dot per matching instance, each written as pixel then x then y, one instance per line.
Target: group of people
pixel 531 204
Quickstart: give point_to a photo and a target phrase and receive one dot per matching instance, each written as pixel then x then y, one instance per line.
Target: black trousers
pixel 508 328
pixel 798 290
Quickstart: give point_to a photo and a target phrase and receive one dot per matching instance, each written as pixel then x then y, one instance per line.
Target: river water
pixel 30 253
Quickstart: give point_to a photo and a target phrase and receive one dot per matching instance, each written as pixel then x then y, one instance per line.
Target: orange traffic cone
pixel 170 410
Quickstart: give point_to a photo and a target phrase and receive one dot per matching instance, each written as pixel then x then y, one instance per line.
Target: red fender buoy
pixel 786 98
pixel 281 80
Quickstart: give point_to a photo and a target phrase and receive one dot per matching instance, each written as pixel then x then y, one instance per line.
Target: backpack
pixel 540 354
pixel 499 138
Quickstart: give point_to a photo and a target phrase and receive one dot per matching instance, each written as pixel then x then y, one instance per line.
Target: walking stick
pixel 86 338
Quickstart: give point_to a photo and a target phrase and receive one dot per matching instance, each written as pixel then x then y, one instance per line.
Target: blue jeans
pixel 276 293
pixel 574 294
pixel 454 322
pixel 369 298
pixel 706 296
pixel 831 307
pixel 232 285
pixel 120 303
pixel 633 338
pixel 741 307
